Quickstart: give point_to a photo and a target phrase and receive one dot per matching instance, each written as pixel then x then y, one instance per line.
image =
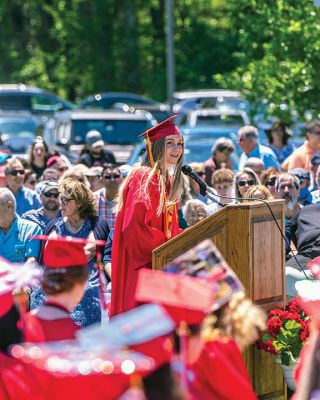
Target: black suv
pixel 27 98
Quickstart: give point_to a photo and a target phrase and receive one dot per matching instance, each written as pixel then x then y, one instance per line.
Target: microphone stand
pixel 204 192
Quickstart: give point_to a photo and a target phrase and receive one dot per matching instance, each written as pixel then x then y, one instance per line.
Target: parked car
pixel 20 97
pixel 18 130
pixel 107 100
pixel 214 117
pixel 208 98
pixel 197 151
pixel 67 131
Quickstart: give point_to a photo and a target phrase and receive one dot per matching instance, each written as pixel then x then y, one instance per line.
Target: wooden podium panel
pixel 249 240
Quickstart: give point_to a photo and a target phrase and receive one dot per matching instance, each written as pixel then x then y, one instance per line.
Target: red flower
pixel 273 325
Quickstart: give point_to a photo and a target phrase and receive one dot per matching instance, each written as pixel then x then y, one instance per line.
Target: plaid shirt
pixel 105 209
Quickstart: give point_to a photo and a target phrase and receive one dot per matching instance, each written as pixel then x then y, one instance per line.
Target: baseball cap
pixel 47 186
pixel 94 139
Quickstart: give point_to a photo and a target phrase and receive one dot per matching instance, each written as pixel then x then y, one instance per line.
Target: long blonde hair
pixel 158 149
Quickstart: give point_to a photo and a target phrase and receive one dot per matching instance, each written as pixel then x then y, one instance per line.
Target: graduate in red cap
pixel 147 211
pixel 64 280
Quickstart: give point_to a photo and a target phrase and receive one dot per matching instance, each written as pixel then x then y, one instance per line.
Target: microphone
pixel 204 188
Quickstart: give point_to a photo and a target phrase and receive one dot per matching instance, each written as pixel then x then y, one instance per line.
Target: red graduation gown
pixel 41 330
pixel 138 231
pixel 220 373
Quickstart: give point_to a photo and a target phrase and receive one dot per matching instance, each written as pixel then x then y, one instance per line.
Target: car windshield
pixel 17 127
pixel 220 120
pixel 112 131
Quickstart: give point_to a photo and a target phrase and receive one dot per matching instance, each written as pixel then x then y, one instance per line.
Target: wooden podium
pixel 249 240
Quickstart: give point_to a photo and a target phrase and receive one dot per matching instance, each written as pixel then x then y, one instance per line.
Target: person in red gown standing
pixel 147 211
pixel 64 280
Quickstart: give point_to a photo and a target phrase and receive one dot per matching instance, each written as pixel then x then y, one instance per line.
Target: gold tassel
pixel 149 151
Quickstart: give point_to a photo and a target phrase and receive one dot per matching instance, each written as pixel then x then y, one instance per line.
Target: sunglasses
pixel 48 195
pixel 110 176
pixel 201 173
pixel 249 182
pixel 271 182
pixel 16 172
pixel 65 200
pixel 32 182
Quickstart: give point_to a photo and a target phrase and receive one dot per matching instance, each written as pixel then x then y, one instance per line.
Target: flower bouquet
pixel 287 331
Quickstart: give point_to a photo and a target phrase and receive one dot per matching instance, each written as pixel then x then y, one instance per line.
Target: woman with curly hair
pixel 79 220
pixel 147 209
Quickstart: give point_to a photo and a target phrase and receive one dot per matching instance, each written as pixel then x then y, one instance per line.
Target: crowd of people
pixel 93 227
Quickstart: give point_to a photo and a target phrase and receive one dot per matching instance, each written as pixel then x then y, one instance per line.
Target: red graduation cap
pixel 64 252
pixel 185 298
pixel 162 130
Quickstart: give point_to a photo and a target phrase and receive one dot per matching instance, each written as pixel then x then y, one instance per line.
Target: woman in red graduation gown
pixel 147 211
pixel 65 276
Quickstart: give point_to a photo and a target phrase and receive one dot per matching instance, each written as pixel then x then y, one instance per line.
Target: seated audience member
pixel 256 164
pixel 57 163
pixel 106 197
pixel 94 153
pixel 268 179
pixel 305 197
pixel 77 172
pixel 94 176
pixel 30 179
pixel 222 183
pixel 244 180
pixel 316 193
pixel 287 188
pixel 278 137
pixel 258 192
pixel 63 283
pixel 221 152
pixel 49 174
pixel 38 155
pixel 314 164
pixel 303 230
pixel 16 234
pixel 50 205
pixel 26 199
pixel 248 140
pixel 194 211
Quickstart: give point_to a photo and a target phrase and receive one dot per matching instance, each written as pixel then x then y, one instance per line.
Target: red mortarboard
pixel 63 252
pixel 162 130
pixel 185 298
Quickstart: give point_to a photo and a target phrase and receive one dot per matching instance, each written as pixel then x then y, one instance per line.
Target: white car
pixel 214 117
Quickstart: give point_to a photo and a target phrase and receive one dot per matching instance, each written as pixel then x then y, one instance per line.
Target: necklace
pixel 73 229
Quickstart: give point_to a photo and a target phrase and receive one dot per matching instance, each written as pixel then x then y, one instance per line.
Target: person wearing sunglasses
pixel 50 209
pixel 244 180
pixel 30 179
pixel 111 178
pixel 268 179
pixel 26 198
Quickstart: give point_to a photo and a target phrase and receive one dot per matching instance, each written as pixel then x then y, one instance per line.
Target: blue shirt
pixel 264 153
pixel 18 244
pixel 26 200
pixel 39 217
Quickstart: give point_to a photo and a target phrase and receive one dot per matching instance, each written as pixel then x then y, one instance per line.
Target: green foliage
pixel 279 56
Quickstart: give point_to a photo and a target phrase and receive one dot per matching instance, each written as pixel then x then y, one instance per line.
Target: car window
pixel 14 102
pixel 45 103
pixel 219 120
pixel 112 131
